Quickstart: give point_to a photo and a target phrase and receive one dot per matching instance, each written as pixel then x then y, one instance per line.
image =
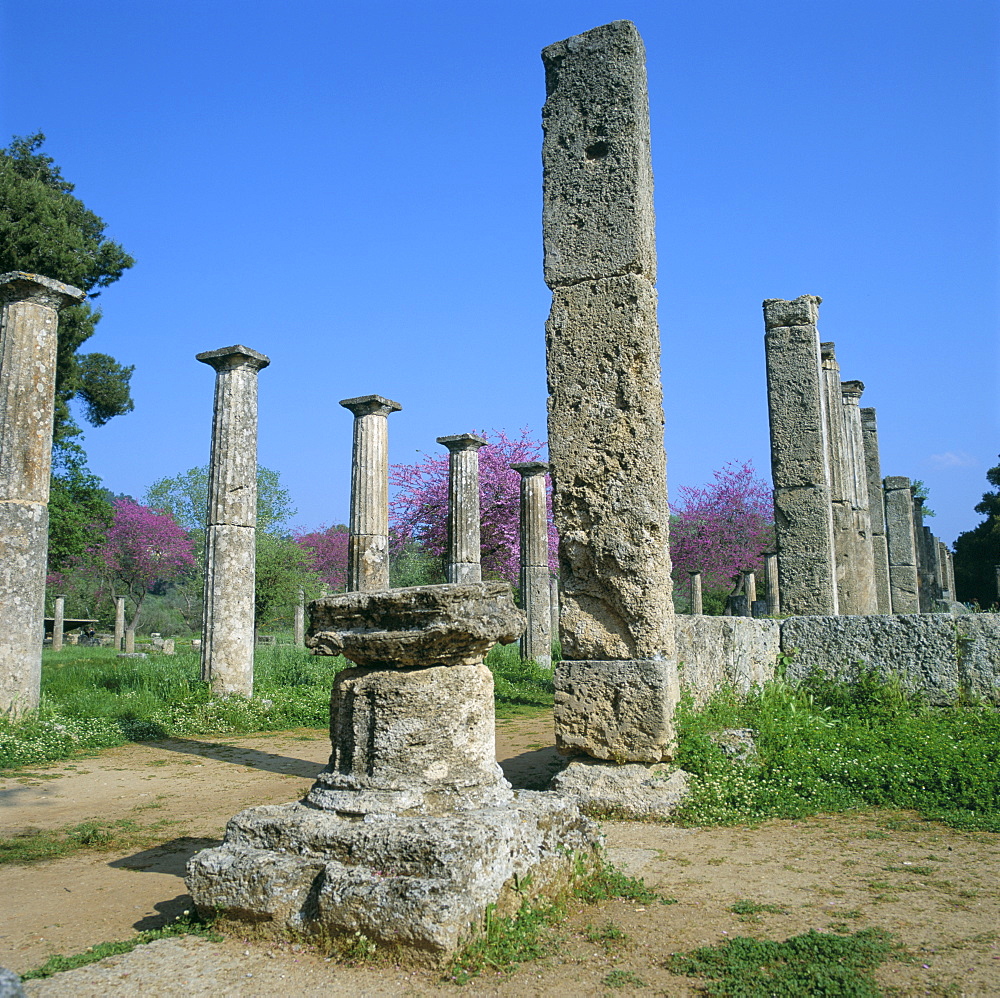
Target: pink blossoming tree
pixel 419 507
pixel 326 553
pixel 142 548
pixel 722 528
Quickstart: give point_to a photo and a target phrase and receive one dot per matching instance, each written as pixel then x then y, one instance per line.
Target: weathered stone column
pixel 536 642
pixel 856 480
pixel 696 604
pixel 876 509
pixel 368 545
pixel 554 608
pixel 300 621
pixel 947 583
pixel 462 560
pixel 904 589
pixel 920 547
pixel 119 623
pixel 58 617
pixel 29 320
pixel 130 641
pixel 934 576
pixel 771 583
pixel 796 403
pixel 750 590
pixel 230 550
pixel 606 418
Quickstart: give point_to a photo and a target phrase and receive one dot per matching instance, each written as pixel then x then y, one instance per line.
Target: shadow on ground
pixel 271 762
pixel 532 770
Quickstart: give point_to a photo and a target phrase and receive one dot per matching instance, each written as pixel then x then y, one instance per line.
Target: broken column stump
pixel 411 832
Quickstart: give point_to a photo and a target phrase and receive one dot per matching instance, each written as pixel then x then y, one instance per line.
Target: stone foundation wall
pixel 943 656
pixel 714 651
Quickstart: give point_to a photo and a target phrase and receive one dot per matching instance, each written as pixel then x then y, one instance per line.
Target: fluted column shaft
pixel 58 622
pixel 368 543
pixel 696 602
pixel 462 562
pixel 29 322
pixel 904 589
pixel 119 623
pixel 227 645
pixel 536 643
pixel 876 509
pixel 771 583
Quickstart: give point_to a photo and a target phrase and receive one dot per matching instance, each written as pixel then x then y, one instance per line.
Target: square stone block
pixel 619 710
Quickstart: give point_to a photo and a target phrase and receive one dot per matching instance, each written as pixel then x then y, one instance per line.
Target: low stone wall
pixel 943 656
pixel 714 651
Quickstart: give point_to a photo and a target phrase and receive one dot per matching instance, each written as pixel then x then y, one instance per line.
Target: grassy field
pixel 92 699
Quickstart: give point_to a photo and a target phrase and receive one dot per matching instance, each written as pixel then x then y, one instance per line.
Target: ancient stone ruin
pixel 411 831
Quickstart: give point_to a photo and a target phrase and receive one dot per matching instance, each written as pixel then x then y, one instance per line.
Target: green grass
pixel 186 925
pixel 34 845
pixel 815 963
pixel 825 745
pixel 507 942
pixel 91 699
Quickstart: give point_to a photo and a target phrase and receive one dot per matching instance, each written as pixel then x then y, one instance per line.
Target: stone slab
pixel 598 215
pixel 416 886
pixel 618 710
pixel 604 789
pixel 713 652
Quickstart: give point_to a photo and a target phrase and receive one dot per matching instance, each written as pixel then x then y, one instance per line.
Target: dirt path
pixel 934 887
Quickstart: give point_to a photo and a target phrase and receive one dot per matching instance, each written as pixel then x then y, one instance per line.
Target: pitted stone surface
pixel 598 202
pixel 536 642
pixel 796 406
pixel 713 652
pixel 609 470
pixel 620 710
pixel 944 657
pixel 408 739
pixel 418 626
pixel 632 790
pixel 419 885
pixel 463 561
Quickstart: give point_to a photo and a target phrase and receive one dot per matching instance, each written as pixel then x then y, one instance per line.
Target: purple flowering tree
pixel 141 549
pixel 326 553
pixel 419 507
pixel 722 528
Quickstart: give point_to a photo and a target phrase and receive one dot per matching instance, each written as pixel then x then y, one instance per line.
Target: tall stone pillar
pixel 606 418
pixel 876 509
pixel 58 621
pixel 119 623
pixel 796 404
pixel 368 545
pixel 29 320
pixel 904 588
pixel 934 574
pixel 463 557
pixel 536 642
pixel 696 603
pixel 554 608
pixel 920 546
pixel 750 591
pixel 856 480
pixel 771 583
pixel 230 545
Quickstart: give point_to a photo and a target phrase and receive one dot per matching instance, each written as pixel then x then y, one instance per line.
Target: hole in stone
pixel 598 150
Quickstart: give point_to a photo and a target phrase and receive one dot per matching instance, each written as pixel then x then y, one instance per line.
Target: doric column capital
pixel 371 405
pixel 226 358
pixel 802 311
pixel 529 469
pixel 852 391
pixel 462 441
pixel 17 286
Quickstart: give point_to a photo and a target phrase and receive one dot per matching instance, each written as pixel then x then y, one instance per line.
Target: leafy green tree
pixel 44 229
pixel 282 572
pixel 977 551
pixel 80 513
pixel 185 497
pixel 920 491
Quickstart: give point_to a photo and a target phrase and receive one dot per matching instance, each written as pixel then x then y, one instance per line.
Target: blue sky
pixel 355 190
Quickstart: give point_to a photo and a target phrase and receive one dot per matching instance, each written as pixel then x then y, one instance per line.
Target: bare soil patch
pixel 934 887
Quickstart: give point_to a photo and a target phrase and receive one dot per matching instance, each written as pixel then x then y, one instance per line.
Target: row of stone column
pixel 368 544
pixel 849 541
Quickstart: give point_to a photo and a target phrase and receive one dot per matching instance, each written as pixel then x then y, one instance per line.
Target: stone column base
pixel 605 789
pixel 414 885
pixel 617 710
